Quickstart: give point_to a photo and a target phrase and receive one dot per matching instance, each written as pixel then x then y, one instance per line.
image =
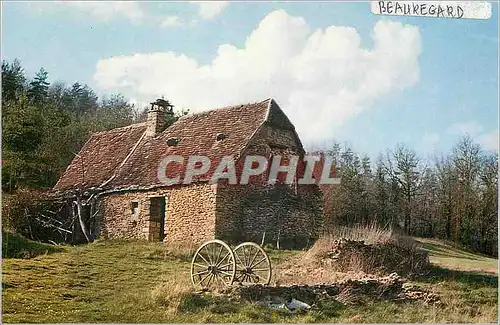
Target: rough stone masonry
pixel 120 167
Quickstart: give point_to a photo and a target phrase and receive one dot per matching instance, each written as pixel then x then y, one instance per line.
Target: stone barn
pixel 119 170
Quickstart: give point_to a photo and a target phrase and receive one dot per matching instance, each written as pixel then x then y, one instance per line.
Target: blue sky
pixel 438 77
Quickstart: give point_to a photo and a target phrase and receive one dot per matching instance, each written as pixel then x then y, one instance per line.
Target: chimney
pixel 156 122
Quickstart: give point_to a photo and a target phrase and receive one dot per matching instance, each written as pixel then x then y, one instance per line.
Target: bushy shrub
pixel 20 212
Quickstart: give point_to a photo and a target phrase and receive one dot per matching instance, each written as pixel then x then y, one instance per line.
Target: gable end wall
pixel 247 212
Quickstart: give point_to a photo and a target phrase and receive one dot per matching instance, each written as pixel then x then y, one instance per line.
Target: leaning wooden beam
pixel 94 210
pixel 51 219
pixel 80 219
pixel 51 225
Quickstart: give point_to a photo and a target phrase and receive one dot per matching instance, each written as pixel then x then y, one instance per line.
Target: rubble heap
pixel 343 258
pixel 390 287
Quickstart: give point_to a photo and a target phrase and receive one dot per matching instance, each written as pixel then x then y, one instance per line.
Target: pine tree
pixel 13 81
pixel 38 88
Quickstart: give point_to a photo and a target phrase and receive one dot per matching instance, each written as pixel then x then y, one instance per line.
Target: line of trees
pixel 44 125
pixel 453 197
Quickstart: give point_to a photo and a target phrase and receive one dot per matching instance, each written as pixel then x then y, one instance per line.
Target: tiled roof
pixel 100 157
pixel 126 157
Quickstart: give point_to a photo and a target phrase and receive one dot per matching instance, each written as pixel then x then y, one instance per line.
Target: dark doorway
pixel 157 215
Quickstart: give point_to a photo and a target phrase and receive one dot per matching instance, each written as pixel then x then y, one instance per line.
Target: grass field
pixel 133 282
pixel 448 256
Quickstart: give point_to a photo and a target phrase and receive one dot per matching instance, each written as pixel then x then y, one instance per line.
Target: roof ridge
pixel 117 169
pixel 228 107
pixel 122 128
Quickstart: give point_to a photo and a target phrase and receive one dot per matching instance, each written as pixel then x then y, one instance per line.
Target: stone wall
pixel 270 137
pixel 247 212
pixel 117 220
pixel 235 213
pixel 189 214
pixel 294 213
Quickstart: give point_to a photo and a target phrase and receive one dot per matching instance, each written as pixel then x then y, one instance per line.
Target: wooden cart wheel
pixel 213 265
pixel 252 264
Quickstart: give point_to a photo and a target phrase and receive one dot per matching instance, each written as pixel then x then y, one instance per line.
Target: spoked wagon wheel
pixel 213 265
pixel 252 264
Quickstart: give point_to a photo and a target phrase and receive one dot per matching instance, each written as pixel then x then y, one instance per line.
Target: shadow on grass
pixel 450 249
pixel 443 251
pixel 326 310
pixel 163 255
pixel 323 310
pixel 193 303
pixel 16 246
pixel 470 278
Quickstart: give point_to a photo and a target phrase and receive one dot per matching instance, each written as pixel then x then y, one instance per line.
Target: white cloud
pixel 172 21
pixel 475 130
pixel 100 10
pixel 210 9
pixel 207 10
pixel 471 128
pixel 175 21
pixel 109 10
pixel 320 78
pixel 130 10
pixel 489 140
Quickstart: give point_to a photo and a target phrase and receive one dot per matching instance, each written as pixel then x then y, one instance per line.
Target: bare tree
pixel 404 167
pixel 445 190
pixel 488 205
pixel 466 157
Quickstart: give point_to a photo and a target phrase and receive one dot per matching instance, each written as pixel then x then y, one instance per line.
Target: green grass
pixel 16 246
pixel 449 256
pixel 121 282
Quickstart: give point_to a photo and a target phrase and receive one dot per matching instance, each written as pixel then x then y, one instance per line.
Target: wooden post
pixel 80 219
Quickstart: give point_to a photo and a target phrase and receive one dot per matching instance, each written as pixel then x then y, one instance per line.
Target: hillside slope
pixel 133 282
pixel 447 255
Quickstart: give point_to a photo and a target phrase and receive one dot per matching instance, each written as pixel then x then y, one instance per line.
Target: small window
pixel 135 210
pixel 172 142
pixel 220 136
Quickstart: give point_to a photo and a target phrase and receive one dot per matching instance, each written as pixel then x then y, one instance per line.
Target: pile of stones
pixel 388 288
